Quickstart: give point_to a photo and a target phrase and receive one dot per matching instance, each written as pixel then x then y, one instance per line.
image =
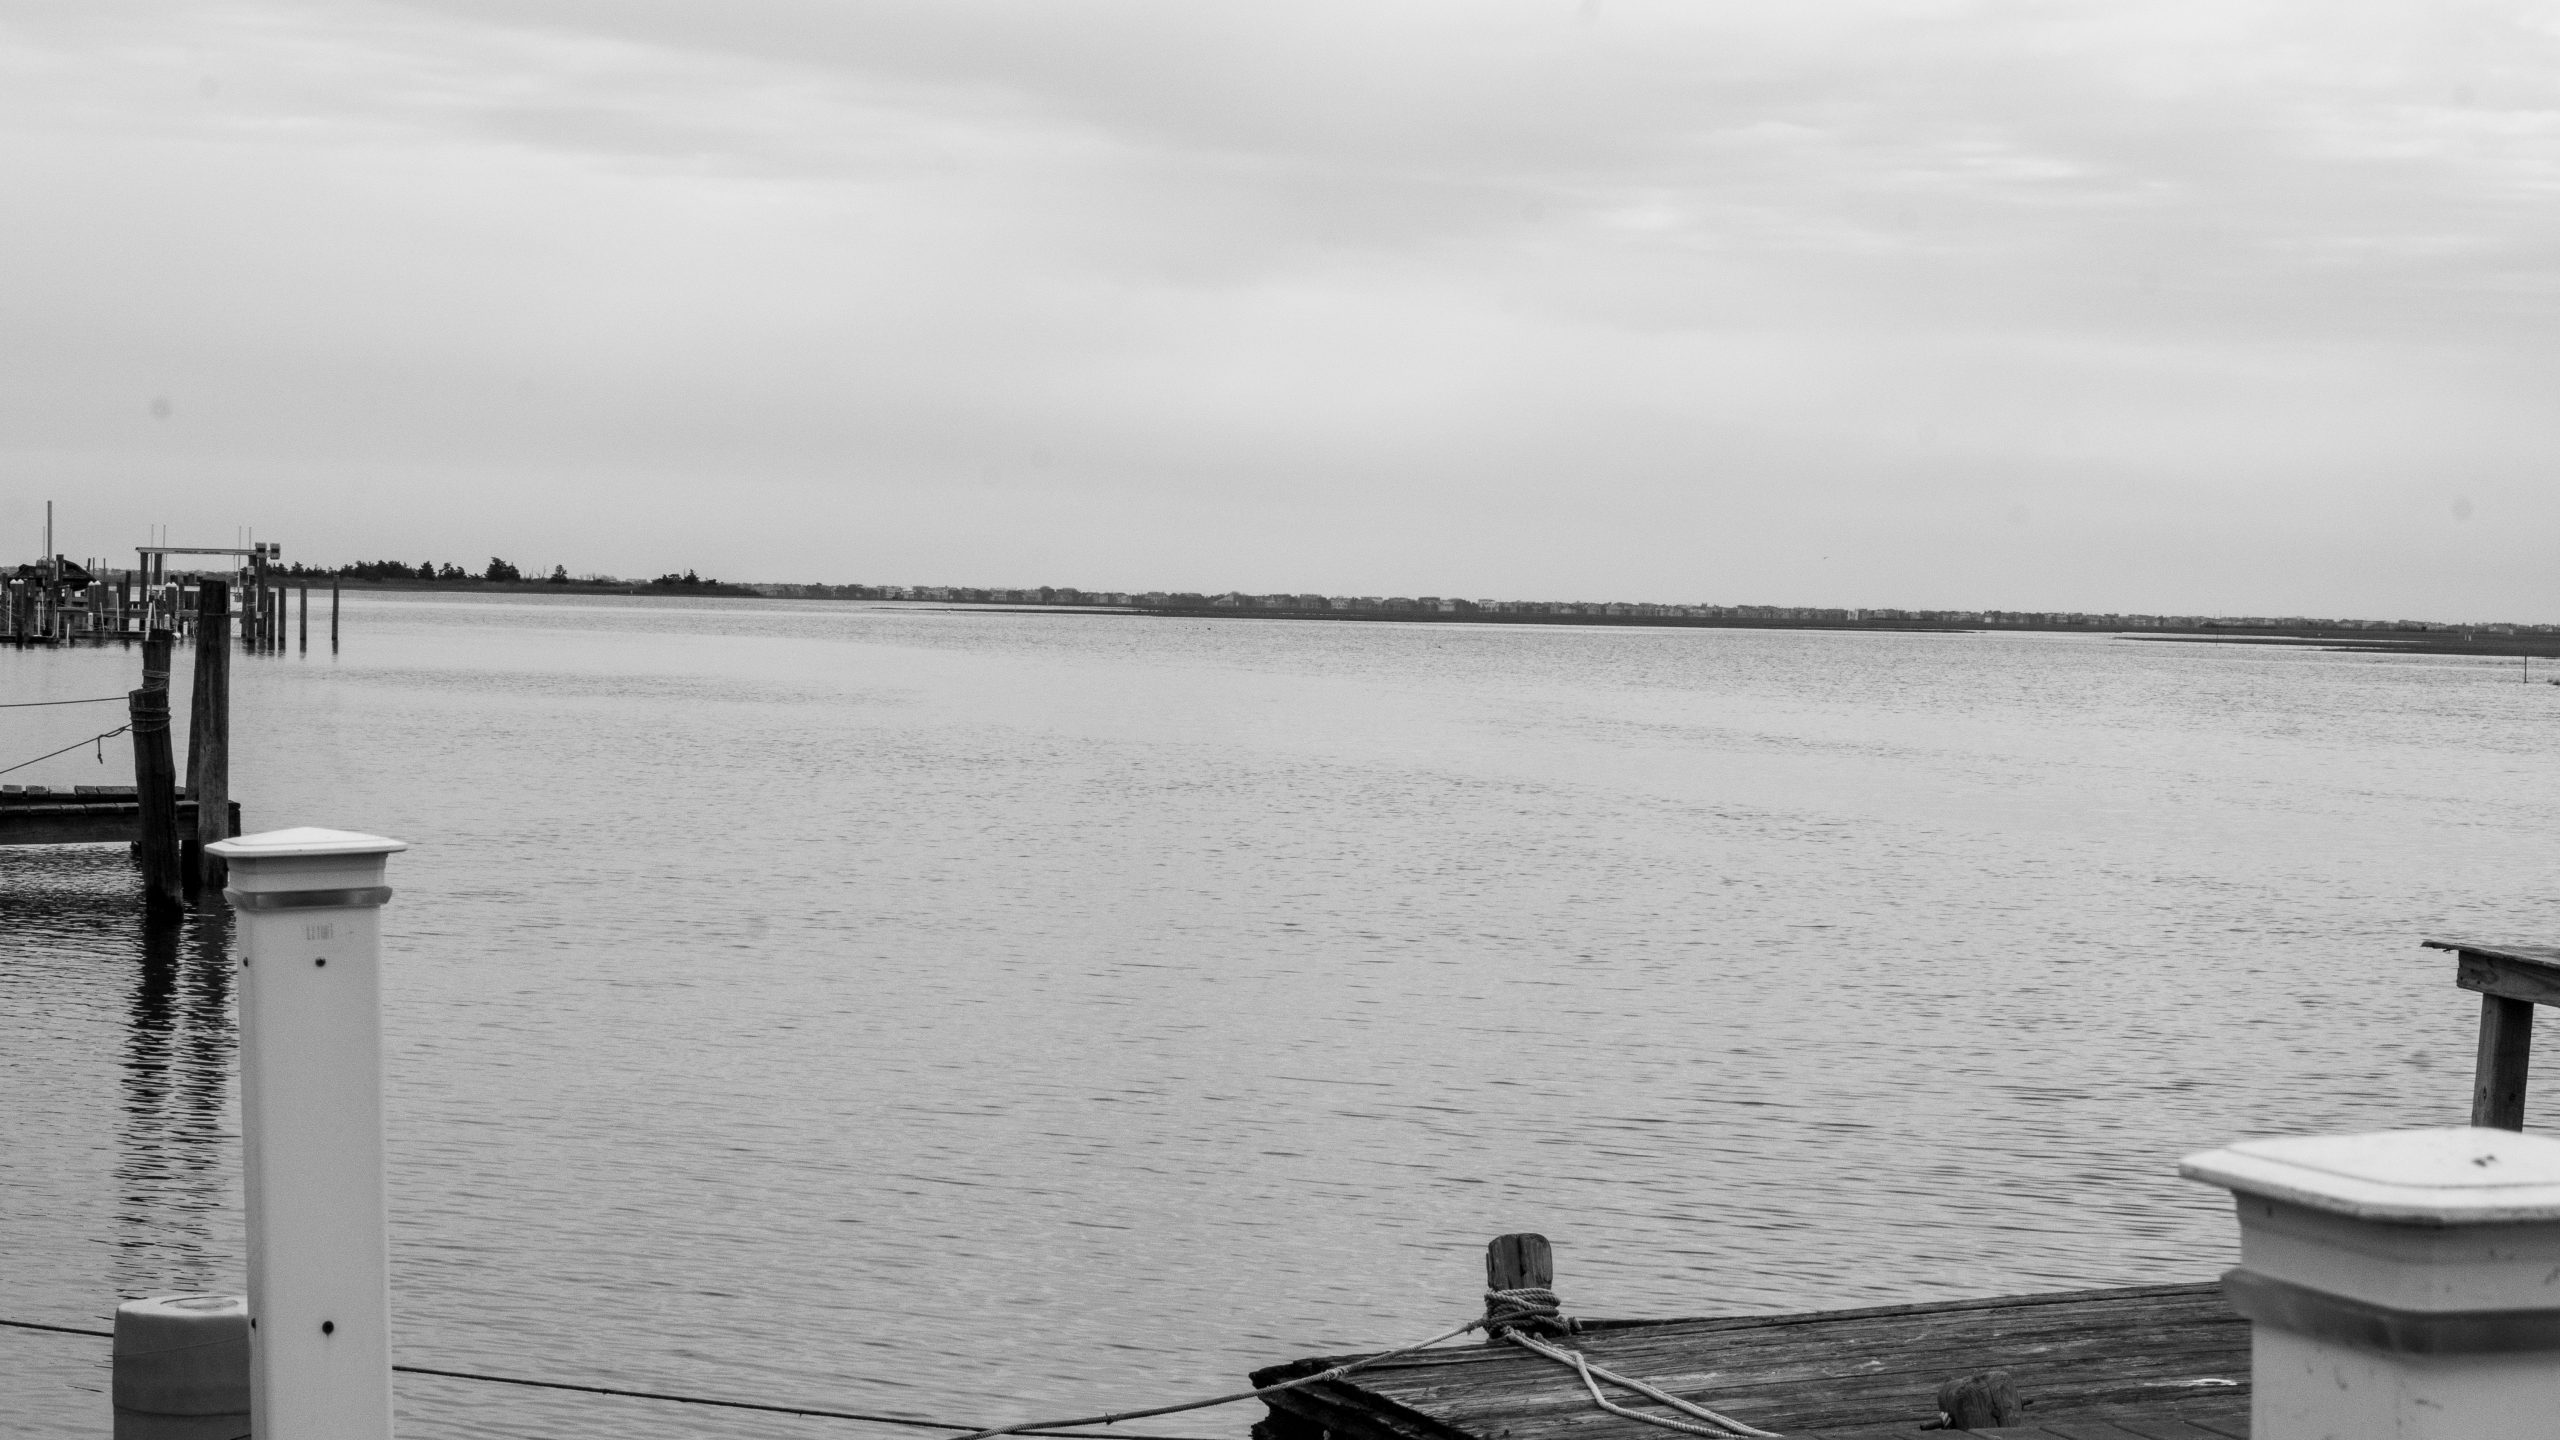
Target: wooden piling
pixel 155 660
pixel 155 786
pixel 333 614
pixel 303 620
pixel 209 738
pixel 1519 1262
pixel 2506 1056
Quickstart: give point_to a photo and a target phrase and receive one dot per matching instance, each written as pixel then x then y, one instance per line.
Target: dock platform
pixel 2155 1362
pixel 84 815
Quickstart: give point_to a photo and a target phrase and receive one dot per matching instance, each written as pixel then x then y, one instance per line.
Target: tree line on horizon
pixel 497 571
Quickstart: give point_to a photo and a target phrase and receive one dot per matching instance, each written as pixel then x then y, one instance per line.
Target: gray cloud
pixel 2230 301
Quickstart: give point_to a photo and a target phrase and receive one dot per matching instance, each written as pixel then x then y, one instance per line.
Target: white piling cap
pixel 303 842
pixel 2458 1176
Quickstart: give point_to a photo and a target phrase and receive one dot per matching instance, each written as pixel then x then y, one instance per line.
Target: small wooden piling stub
pixel 2506 1057
pixel 155 784
pixel 1519 1262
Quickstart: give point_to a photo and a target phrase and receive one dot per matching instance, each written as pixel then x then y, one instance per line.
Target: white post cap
pixel 324 867
pixel 304 842
pixel 2454 1176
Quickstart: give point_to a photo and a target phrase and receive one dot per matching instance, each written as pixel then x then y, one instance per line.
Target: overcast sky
pixel 2227 307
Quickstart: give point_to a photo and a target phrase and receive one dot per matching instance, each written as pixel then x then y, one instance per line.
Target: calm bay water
pixel 981 1016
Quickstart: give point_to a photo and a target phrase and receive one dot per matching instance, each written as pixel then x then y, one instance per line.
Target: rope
pixel 1533 1307
pixel 1028 1427
pixel 729 1404
pixel 57 1329
pixel 1336 1373
pixel 100 737
pixel 31 704
pixel 1726 1425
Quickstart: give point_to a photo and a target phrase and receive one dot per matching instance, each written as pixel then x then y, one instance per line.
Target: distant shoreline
pixel 524 587
pixel 2400 642
pixel 2362 641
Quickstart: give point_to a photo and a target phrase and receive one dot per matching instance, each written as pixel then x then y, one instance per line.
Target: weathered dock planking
pixel 2158 1362
pixel 84 815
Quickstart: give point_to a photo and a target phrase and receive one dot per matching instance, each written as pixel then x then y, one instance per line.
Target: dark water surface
pixel 981 1015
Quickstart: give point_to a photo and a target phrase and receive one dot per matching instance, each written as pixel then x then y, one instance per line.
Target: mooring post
pixel 310 906
pixel 209 738
pixel 1519 1282
pixel 2398 1286
pixel 155 792
pixel 333 614
pixel 303 620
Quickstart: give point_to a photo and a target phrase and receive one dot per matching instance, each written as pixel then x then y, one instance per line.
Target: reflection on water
pixel 147 1009
pixel 175 1164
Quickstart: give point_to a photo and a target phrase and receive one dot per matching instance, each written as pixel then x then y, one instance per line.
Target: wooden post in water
pixel 2506 1057
pixel 310 912
pixel 303 621
pixel 333 614
pixel 209 737
pixel 155 788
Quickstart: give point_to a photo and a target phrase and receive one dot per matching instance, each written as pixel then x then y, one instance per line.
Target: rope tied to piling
pixel 1533 1308
pixel 99 700
pixel 1718 1426
pixel 101 738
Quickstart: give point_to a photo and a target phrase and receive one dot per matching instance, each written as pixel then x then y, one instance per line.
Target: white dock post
pixel 2402 1285
pixel 309 903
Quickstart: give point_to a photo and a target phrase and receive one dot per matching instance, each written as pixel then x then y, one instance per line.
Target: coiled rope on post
pixel 1526 1306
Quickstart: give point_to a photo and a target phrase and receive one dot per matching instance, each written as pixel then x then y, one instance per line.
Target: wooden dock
pixel 85 815
pixel 2155 1362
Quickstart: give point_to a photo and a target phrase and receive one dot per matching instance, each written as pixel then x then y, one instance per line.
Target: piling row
pixel 129 607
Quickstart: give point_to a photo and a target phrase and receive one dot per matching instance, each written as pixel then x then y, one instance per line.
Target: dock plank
pixel 2095 1365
